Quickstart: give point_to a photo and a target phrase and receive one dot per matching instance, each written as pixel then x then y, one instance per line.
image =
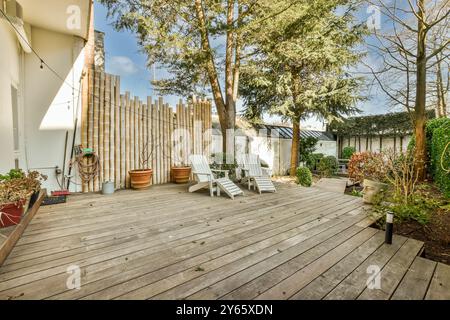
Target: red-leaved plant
pixel 367 165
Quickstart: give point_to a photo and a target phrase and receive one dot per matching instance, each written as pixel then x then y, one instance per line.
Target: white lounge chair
pixel 255 175
pixel 206 179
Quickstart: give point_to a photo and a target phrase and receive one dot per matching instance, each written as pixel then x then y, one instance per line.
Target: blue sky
pixel 123 58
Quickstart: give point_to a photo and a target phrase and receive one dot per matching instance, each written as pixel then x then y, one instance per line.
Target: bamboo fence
pixel 123 131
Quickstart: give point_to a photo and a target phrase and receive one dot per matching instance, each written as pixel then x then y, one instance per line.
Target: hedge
pixel 439 145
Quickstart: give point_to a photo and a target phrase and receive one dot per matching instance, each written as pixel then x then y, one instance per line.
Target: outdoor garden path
pixel 166 243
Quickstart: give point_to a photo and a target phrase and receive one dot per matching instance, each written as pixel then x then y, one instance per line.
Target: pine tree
pixel 301 65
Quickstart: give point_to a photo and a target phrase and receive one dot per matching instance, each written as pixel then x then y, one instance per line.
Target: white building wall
pixel 387 143
pixel 10 56
pixel 51 104
pixel 328 148
pixel 275 152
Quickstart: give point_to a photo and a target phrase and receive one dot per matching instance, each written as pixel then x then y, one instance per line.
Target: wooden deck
pixel 164 243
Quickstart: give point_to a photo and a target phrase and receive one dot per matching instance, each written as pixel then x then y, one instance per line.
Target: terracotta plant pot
pixel 141 179
pixel 181 174
pixel 11 213
pixel 372 189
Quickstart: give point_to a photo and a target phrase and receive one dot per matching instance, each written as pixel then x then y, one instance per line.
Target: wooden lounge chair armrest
pixel 202 173
pixel 211 177
pixel 267 171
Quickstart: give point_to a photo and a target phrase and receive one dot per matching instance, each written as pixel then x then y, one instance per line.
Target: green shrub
pixel 312 160
pixel 419 209
pixel 328 166
pixel 304 176
pixel 440 158
pixel 12 174
pixel 306 148
pixel 347 152
pixel 356 193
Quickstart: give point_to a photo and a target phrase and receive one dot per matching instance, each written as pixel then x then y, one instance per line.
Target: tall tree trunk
pixel 441 95
pixel 225 110
pixel 298 110
pixel 295 148
pixel 237 55
pixel 230 102
pixel 421 85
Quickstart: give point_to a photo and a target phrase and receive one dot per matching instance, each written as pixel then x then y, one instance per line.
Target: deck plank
pixel 166 243
pixel 416 281
pixel 394 271
pixel 291 285
pixel 327 281
pixel 355 283
pixel 440 284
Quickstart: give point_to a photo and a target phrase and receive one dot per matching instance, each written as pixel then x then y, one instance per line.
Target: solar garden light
pixel 389 227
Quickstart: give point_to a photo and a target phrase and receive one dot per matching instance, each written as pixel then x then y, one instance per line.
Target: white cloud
pixel 122 66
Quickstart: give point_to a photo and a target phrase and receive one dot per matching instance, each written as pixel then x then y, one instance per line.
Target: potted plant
pixel 142 178
pixel 13 197
pixel 370 169
pixel 181 173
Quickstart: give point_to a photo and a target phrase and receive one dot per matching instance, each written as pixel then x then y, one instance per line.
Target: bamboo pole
pixel 144 132
pixel 123 153
pixel 97 115
pixel 85 115
pixel 166 144
pixel 136 134
pixel 169 122
pixel 132 146
pixel 170 141
pixel 149 132
pixel 187 123
pixel 88 187
pixel 143 152
pixel 128 138
pixel 106 129
pixel 177 146
pixel 153 140
pixel 191 126
pixel 163 142
pixel 112 131
pixel 117 151
pixel 159 162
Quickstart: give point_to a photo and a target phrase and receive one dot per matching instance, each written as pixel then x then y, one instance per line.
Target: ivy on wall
pixel 389 124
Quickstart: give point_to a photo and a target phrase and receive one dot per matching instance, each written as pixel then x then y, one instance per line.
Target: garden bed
pixel 435 235
pixel 436 232
pixel 9 236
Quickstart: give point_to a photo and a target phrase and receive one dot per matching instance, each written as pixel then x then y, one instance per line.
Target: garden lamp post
pixel 389 227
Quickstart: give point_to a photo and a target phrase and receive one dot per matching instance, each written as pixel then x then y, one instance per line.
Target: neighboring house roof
pixel 287 132
pixel 284 132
